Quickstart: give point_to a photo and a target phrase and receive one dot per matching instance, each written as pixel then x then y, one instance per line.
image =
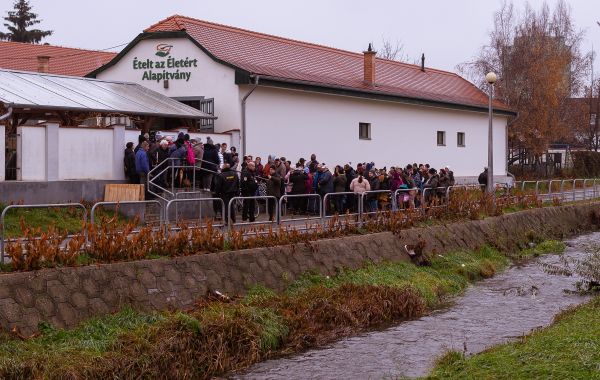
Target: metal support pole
pixel 490 176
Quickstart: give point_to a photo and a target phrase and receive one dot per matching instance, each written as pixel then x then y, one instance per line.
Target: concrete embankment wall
pixel 67 296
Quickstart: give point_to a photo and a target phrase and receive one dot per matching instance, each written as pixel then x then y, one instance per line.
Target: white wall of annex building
pixel 295 124
pixel 31 153
pixel 51 153
pixel 85 153
pixel 210 79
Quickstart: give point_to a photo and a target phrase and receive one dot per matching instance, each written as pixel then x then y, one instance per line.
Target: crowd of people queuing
pixel 217 169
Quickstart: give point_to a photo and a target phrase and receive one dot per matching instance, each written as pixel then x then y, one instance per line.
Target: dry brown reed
pixel 115 240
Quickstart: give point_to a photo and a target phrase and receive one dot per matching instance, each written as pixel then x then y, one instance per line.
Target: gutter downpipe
pixel 256 78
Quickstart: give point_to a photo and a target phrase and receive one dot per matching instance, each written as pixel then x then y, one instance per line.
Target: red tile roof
pixel 63 60
pixel 289 60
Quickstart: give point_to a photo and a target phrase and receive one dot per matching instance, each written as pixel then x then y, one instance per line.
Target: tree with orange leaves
pixel 540 66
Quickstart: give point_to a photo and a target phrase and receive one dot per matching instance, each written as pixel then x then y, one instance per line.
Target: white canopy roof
pixel 30 90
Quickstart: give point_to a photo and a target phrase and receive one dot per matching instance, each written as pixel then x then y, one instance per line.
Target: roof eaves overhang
pixel 272 81
pixel 45 108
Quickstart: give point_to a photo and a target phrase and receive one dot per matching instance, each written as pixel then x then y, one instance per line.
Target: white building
pixel 292 98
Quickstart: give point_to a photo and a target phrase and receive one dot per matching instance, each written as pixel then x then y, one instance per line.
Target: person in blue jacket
pixel 142 164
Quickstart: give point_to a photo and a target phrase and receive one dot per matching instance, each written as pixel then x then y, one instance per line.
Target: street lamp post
pixel 491 79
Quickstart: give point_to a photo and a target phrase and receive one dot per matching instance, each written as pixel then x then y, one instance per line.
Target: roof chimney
pixel 43 63
pixel 423 62
pixel 369 66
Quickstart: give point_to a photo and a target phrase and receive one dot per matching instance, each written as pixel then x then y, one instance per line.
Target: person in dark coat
pixel 142 166
pixel 375 185
pixel 129 164
pixel 351 200
pixel 273 190
pixel 298 180
pixel 483 179
pixel 339 186
pixel 325 181
pixel 226 188
pixel 141 139
pixel 248 187
pixel 210 162
pixel 160 157
pixel 433 182
pixel 178 152
pixel 444 183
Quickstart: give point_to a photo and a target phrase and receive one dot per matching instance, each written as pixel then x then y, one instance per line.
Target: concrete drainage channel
pixel 491 312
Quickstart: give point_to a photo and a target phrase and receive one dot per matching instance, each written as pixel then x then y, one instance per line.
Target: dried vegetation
pixel 221 335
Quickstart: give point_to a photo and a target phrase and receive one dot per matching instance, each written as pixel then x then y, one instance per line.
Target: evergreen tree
pixel 19 20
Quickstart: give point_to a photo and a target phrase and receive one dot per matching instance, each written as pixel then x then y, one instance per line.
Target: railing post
pixel 361 209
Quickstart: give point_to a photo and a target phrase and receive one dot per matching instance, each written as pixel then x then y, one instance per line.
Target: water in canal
pixel 490 312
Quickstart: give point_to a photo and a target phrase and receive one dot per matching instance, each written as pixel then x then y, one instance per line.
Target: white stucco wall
pixel 85 153
pixel 295 124
pixel 209 79
pixel 31 153
pixel 131 135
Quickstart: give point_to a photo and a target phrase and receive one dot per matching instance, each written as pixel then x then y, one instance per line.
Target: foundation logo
pixel 162 50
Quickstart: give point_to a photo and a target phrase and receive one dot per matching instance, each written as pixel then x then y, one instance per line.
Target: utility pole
pixel 491 79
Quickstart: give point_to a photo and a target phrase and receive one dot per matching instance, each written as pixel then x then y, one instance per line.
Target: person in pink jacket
pixel 359 185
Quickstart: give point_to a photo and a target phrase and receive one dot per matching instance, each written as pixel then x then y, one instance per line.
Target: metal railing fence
pixel 398 201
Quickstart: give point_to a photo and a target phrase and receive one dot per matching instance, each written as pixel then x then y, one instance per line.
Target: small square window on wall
pixel 441 138
pixel 460 139
pixel 364 131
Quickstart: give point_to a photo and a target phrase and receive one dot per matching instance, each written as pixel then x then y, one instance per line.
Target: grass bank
pixel 568 349
pixel 218 336
pixel 67 219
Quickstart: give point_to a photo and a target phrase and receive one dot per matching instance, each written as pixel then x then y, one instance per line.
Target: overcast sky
pixel 449 32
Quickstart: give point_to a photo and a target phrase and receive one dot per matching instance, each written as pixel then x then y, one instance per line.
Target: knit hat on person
pixel 209 141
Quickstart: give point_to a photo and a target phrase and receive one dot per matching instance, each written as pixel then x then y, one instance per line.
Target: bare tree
pixel 393 51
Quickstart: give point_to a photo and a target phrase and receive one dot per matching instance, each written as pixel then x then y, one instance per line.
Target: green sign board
pixel 167 68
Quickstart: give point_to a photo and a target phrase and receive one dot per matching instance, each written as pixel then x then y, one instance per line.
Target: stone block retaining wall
pixel 66 296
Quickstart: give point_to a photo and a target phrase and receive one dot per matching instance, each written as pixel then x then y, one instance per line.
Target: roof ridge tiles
pixel 158 23
pixel 273 37
pixel 250 32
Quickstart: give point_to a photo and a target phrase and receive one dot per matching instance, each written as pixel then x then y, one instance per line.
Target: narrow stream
pixel 490 312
